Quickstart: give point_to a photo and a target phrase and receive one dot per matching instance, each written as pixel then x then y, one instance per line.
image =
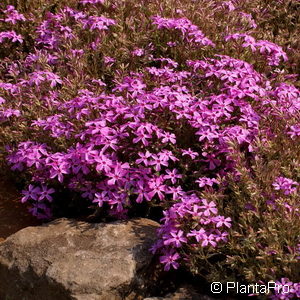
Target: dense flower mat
pixel 189 107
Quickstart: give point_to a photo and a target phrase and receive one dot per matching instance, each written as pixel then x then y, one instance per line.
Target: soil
pixel 13 214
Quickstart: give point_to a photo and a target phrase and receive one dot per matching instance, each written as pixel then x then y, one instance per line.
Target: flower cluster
pixel 12 15
pixel 200 215
pixel 189 31
pixel 271 51
pixel 10 35
pixel 286 290
pixel 38 195
pixel 286 185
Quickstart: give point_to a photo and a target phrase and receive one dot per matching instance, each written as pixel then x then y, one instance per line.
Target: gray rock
pixel 68 259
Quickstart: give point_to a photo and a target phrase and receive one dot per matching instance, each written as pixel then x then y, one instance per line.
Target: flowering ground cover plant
pixel 186 108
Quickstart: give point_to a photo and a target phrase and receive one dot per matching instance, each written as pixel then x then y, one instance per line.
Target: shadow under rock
pixel 13 214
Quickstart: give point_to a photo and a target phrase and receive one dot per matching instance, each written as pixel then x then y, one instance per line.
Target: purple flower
pixel 144 158
pixel 209 240
pixel 198 234
pixel 294 131
pixel 44 193
pixel 157 187
pixel 12 35
pixel 97 22
pixel 169 260
pixel 58 167
pixel 91 1
pixel 40 210
pixel 175 238
pixel 53 78
pixel 172 175
pixel 100 198
pixel 203 181
pixel 209 208
pixel 118 174
pixel 285 184
pixel 31 194
pixel 190 153
pixel 138 52
pixel 12 15
pixel 222 221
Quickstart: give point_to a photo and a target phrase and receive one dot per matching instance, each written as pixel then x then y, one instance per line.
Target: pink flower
pixel 157 187
pixel 138 52
pixel 198 234
pixel 45 193
pixel 285 184
pixel 32 193
pixel 169 260
pixel 203 181
pixel 12 15
pixel 100 198
pixel 209 239
pixel 84 2
pixel 190 153
pixel 294 131
pixel 222 221
pixel 118 174
pixel 176 239
pixel 209 208
pixel 172 175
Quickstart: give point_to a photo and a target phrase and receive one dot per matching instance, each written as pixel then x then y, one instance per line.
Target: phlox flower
pixel 97 22
pixel 158 161
pixel 169 260
pixel 84 2
pixel 138 52
pixel 198 234
pixel 58 167
pixel 142 191
pixel 212 160
pixel 168 137
pixel 103 163
pixel 229 5
pixel 294 131
pixel 117 174
pixel 221 236
pixel 144 158
pixel 157 187
pixel 40 210
pixel 44 193
pixel 53 78
pixel 12 35
pixel 176 192
pixel 175 238
pixel 209 240
pixel 190 153
pixel 209 208
pixel 9 112
pixel 203 181
pixel 31 194
pixel 172 175
pixel 100 198
pixel 286 289
pixel 222 221
pixel 12 15
pixel 285 184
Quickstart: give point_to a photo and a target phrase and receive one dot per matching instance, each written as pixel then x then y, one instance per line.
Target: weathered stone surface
pixel 67 259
